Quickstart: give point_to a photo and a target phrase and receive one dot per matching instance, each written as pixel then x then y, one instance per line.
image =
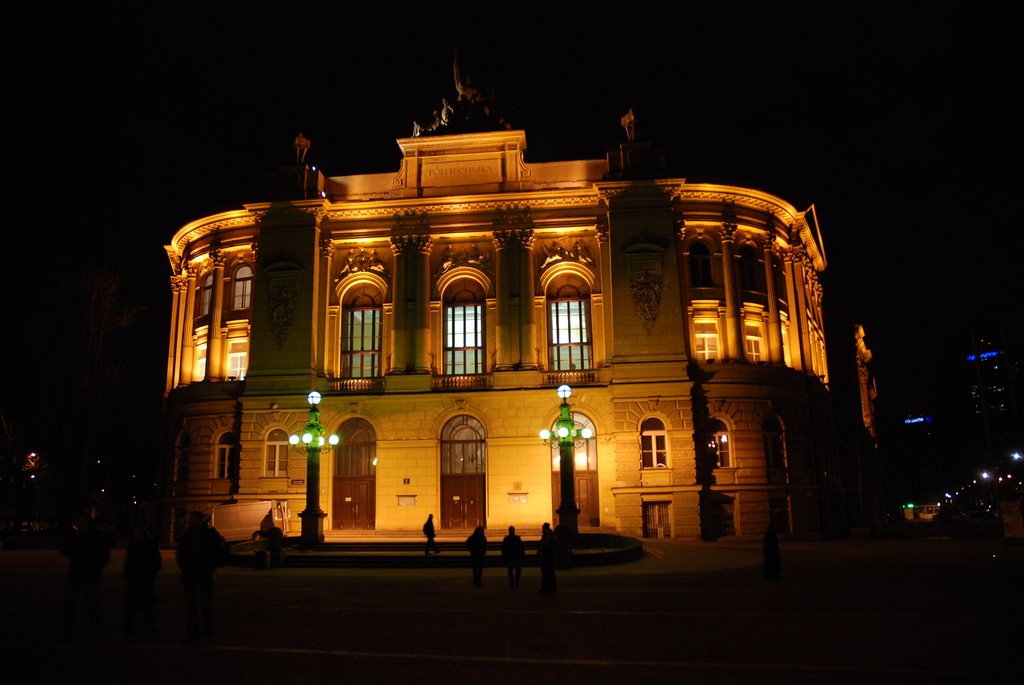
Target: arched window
pixel 719 440
pixel 464 350
pixel 700 266
pixel 276 451
pixel 243 287
pixel 206 295
pixel 569 334
pixel 222 456
pixel 362 313
pixel 748 269
pixel 653 444
pixel 357 453
pixel 463 446
pixel 585 454
pixel 774 451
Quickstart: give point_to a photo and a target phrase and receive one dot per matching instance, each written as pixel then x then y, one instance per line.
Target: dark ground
pixel 896 611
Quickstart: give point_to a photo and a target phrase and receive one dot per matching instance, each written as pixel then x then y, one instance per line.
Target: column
pixel 214 345
pixel 179 285
pixel 775 355
pixel 502 304
pixel 795 298
pixel 733 322
pixel 400 315
pixel 188 341
pixel 323 295
pixel 527 325
pixel 421 268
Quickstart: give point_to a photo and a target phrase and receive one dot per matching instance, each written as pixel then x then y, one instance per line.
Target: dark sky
pixel 899 121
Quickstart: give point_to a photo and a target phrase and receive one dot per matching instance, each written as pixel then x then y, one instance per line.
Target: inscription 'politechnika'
pixel 460 171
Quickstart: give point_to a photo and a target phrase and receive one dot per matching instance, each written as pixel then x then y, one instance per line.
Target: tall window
pixel 200 370
pixel 243 287
pixel 705 334
pixel 357 454
pixel 463 446
pixel 653 444
pixel 720 440
pixel 774 457
pixel 238 358
pixel 569 334
pixel 361 336
pixel 700 266
pixel 748 269
pixel 464 329
pixel 222 455
pixel 206 295
pixel 752 342
pixel 275 451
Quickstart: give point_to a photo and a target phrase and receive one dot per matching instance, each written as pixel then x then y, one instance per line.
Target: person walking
pixel 548 551
pixel 512 554
pixel 201 551
pixel 772 556
pixel 88 551
pixel 142 561
pixel 477 545
pixel 428 531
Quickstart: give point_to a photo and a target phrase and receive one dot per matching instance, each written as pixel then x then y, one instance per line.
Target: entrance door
pixel 462 500
pixel 355 478
pixel 586 497
pixel 354 503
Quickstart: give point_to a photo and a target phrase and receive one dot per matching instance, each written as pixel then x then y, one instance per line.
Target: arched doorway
pixel 355 477
pixel 463 470
pixel 585 471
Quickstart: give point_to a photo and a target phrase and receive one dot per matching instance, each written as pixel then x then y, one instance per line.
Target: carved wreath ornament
pixel 646 288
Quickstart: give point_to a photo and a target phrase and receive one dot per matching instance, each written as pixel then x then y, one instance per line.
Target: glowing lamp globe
pixel 333 439
pixel 313 398
pixel 307 438
pixel 545 434
pixel 294 439
pixel 564 391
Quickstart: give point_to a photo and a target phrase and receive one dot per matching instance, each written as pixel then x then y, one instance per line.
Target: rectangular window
pixel 221 465
pixel 752 336
pixel 705 334
pixel 656 520
pixel 463 340
pixel 243 293
pixel 238 358
pixel 277 460
pixel 653 450
pixel 360 343
pixel 200 370
pixel 570 335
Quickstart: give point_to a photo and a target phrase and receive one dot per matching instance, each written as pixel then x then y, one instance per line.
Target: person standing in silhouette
pixel 512 553
pixel 772 556
pixel 88 551
pixel 428 531
pixel 142 562
pixel 477 545
pixel 548 551
pixel 201 551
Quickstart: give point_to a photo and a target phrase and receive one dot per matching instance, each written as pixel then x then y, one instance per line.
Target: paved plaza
pixel 926 611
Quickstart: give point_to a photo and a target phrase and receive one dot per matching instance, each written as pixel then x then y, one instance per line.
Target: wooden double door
pixel 355 503
pixel 586 497
pixel 462 501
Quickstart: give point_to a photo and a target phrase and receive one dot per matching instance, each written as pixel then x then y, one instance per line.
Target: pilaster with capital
pixel 796 296
pixel 767 242
pixel 179 289
pixel 214 343
pixel 399 300
pixel 733 322
pixel 527 324
pixel 187 329
pixel 421 349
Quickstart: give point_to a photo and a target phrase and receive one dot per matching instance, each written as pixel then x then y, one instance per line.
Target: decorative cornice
pixel 513 216
pixel 386 210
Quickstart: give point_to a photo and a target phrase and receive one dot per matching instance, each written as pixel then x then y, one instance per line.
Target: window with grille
pixel 656 520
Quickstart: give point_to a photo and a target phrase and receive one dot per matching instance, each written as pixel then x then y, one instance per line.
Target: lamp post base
pixel 312 528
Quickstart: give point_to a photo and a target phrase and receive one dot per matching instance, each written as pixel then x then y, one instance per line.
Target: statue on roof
pixel 472 111
pixel 628 122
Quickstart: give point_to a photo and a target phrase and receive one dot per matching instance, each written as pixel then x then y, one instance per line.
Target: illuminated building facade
pixel 438 307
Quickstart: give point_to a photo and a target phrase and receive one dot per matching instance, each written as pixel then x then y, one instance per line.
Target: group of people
pixel 513 553
pixel 201 550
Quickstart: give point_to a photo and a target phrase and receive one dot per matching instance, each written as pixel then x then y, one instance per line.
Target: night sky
pixel 899 121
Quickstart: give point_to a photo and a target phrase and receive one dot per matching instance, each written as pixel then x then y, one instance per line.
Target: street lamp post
pixel 312 442
pixel 565 436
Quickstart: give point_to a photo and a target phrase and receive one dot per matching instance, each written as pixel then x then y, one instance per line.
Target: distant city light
pixel 918 419
pixel 983 355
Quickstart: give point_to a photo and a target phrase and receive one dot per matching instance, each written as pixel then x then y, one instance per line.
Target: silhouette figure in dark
pixel 88 551
pixel 201 551
pixel 428 531
pixel 772 557
pixel 477 546
pixel 548 551
pixel 512 554
pixel 142 561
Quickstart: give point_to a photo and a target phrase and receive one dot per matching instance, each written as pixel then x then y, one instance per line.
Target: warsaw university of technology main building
pixel 437 309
